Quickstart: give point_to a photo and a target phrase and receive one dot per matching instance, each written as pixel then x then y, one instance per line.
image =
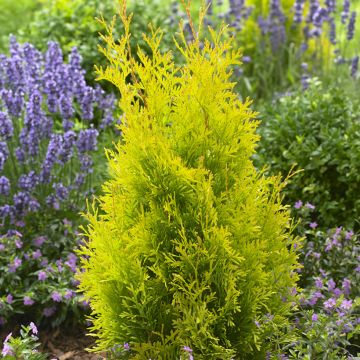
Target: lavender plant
pixel 50 121
pixel 285 42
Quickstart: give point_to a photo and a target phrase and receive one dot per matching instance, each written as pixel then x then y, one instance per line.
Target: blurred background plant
pixel 13 16
pixel 50 124
pixel 286 42
pixel 72 23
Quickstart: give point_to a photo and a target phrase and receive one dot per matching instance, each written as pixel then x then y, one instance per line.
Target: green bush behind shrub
pixel 73 23
pixel 319 131
pixel 189 245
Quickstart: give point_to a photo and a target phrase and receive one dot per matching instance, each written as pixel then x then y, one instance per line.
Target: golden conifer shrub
pixel 189 247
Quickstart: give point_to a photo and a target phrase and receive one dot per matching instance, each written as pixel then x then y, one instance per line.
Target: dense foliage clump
pixel 73 23
pixel 318 130
pixel 189 249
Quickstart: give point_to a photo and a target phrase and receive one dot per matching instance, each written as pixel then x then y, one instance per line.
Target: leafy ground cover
pixel 62 136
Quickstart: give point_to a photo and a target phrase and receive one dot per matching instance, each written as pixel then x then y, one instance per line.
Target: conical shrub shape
pixel 189 245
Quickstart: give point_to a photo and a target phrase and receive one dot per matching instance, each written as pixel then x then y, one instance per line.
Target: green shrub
pixel 189 249
pixel 13 15
pixel 319 131
pixel 72 23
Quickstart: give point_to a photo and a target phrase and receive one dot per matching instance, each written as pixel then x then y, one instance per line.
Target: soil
pixel 68 345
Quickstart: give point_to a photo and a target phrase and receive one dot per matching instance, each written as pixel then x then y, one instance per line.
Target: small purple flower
pixel 9 299
pixel 257 323
pixel 33 328
pixel 337 292
pixel 346 285
pixel 42 275
pixel 6 126
pixel 126 347
pixel 36 254
pixel 310 206
pixel 56 296
pixel 331 284
pixel 18 243
pixel 313 225
pixel 28 301
pixel 7 350
pixel 319 284
pixel 68 294
pixel 330 303
pixel 16 263
pixel 314 318
pixel 39 241
pixel 298 204
pixel 346 304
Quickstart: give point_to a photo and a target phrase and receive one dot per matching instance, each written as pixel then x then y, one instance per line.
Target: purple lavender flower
pixel 6 126
pixel 4 186
pixel 28 182
pixel 4 154
pixel 87 140
pixel 61 192
pixel 345 12
pixel 332 31
pixel 354 66
pixel 351 26
pixel 298 11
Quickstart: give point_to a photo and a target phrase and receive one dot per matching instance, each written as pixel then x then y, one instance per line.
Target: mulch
pixel 68 344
